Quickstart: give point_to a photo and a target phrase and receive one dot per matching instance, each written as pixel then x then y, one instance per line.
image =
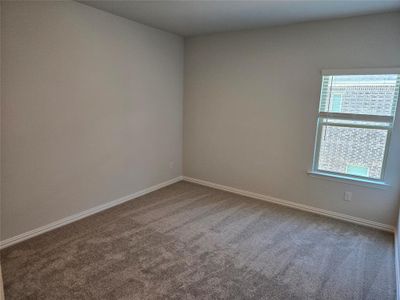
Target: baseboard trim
pixel 37 231
pixel 42 229
pixel 315 210
pixel 397 262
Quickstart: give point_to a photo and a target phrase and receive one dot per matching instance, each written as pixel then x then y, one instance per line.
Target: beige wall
pixel 251 101
pixel 91 110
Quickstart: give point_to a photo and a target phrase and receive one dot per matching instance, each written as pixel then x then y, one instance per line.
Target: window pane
pixel 360 94
pixel 352 151
pixel 336 103
pixel 357 170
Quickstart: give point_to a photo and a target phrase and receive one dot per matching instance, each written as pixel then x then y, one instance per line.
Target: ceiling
pixel 196 17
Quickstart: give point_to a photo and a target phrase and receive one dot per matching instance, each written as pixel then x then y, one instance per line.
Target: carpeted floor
pixel 192 242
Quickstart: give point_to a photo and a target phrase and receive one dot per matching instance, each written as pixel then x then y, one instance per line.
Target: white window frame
pixel 354 117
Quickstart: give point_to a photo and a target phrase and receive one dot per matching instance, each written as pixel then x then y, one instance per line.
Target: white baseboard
pixel 319 211
pixel 37 231
pixel 30 234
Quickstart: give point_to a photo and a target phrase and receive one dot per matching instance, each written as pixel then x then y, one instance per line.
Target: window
pixel 357 170
pixel 355 121
pixel 336 103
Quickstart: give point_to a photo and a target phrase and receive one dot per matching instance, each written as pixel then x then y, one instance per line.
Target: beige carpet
pixel 191 242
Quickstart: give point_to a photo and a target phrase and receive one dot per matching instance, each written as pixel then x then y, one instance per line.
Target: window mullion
pixel 356 117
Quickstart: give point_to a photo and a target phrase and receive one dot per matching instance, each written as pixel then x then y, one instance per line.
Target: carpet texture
pixel 187 241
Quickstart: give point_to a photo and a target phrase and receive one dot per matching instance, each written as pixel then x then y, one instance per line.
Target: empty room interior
pixel 200 149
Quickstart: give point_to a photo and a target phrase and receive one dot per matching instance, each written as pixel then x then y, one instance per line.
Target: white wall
pixel 251 101
pixel 91 110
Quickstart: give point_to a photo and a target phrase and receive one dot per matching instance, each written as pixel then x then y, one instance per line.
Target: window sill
pixel 350 180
